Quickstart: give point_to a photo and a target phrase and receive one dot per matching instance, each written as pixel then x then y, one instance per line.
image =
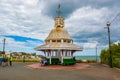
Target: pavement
pixel 23 71
pixel 71 67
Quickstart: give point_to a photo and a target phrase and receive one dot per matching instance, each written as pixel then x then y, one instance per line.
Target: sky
pixel 26 23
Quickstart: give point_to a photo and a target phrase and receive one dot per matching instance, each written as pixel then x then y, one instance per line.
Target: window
pixel 53 40
pixel 64 40
pixel 58 40
pixel 68 41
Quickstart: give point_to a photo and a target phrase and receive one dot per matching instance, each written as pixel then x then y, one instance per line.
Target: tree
pixel 23 53
pixel 1 52
pixel 33 54
pixel 115 49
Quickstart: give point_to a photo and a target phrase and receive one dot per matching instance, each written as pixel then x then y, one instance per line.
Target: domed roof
pixel 58 33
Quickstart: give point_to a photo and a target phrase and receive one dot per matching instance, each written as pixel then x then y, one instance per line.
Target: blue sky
pixel 26 23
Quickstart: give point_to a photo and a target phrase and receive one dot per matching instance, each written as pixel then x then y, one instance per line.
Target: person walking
pixel 23 58
pixel 10 60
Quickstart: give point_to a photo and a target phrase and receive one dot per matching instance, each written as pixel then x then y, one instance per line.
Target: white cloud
pixel 24 19
pixel 90 45
pixel 87 19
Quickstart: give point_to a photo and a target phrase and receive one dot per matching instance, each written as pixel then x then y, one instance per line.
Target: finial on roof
pixel 59 20
pixel 58 11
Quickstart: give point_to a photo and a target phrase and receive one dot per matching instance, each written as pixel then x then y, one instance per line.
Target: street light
pixel 110 54
pixel 4 46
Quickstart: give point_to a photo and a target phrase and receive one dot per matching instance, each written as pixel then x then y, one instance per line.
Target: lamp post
pixel 110 54
pixel 4 46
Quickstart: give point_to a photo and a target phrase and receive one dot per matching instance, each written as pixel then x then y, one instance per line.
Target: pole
pixel 96 54
pixel 110 54
pixel 4 46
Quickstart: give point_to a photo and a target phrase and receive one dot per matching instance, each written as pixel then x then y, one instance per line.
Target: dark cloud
pixel 69 6
pixel 85 37
pixel 25 19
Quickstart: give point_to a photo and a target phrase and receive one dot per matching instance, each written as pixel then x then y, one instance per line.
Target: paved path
pixel 19 71
pixel 72 67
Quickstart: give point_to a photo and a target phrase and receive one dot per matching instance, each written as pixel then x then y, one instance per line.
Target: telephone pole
pixel 110 53
pixel 4 46
pixel 108 27
pixel 96 54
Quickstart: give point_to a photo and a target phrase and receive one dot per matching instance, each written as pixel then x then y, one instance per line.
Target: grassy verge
pixel 26 60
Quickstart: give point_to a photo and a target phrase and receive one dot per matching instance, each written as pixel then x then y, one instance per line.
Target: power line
pixel 114 18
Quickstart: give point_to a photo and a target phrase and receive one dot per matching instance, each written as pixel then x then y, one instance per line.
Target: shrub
pixel 79 61
pixel 115 50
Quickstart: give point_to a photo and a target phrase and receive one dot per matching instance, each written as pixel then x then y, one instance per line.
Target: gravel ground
pixel 19 71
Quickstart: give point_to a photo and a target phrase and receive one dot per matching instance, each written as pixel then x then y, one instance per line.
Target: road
pixel 19 71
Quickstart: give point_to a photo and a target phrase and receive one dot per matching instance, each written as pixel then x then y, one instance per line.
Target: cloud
pixel 84 20
pixel 87 24
pixel 69 6
pixel 24 19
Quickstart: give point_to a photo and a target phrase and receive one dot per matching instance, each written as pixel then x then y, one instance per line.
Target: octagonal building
pixel 59 47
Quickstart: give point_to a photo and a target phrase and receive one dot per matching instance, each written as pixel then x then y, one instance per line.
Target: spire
pixel 58 11
pixel 59 20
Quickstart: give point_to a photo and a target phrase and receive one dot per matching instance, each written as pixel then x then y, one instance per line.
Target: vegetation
pixel 26 60
pixel 18 56
pixel 1 52
pixel 115 50
pixel 85 61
